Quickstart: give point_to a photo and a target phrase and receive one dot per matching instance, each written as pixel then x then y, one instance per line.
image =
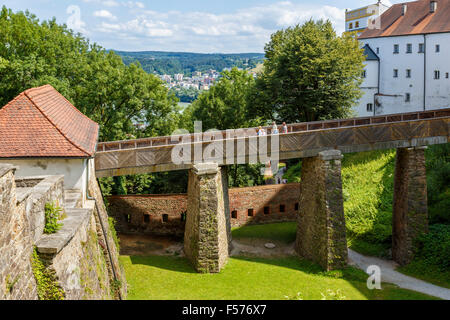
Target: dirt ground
pixel 146 245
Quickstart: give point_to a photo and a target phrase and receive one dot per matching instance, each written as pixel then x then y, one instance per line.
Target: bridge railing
pixel 296 127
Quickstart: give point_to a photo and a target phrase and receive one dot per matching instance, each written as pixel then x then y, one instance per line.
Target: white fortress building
pixel 408 59
pixel 359 19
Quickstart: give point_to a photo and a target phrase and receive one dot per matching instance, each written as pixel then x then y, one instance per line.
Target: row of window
pixel 251 212
pixel 437 74
pixel 409 48
pixel 356 25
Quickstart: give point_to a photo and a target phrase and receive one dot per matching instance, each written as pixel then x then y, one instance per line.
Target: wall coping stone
pixel 38 190
pixel 54 243
pixel 5 168
pixel 206 168
pixel 331 155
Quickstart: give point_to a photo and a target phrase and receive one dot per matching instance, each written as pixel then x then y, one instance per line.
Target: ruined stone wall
pixel 165 214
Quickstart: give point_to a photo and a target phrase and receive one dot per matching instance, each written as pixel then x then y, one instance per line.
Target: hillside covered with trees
pixel 160 62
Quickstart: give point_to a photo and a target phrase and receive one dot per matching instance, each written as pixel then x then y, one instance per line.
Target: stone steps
pixel 72 198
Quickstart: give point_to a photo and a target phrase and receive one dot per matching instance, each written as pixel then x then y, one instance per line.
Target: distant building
pixel 360 19
pixel 42 133
pixel 407 66
pixel 179 77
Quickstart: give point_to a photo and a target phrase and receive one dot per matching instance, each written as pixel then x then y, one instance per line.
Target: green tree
pixel 96 81
pixel 225 105
pixel 309 74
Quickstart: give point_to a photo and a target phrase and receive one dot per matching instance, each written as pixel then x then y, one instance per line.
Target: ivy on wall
pixel 47 284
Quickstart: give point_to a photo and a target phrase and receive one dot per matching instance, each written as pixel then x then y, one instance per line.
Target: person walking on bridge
pixel 274 128
pixel 284 128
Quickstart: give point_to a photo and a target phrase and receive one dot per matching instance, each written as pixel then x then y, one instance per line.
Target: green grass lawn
pixel 173 278
pixel 283 232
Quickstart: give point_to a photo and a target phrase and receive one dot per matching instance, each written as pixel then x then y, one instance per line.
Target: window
pixel 250 212
pixel 407 97
pixel 395 73
pixel 357 24
pixel 408 73
pixel 409 48
pixel 266 210
pixel 369 107
pixel 396 48
pixel 146 218
pixel 296 206
pixel 165 217
pixel 438 48
pixel 350 26
pixel 421 48
pixel 183 216
pixel 446 75
pixel 234 214
pixel 282 208
pixel 437 75
pixel 378 50
pixel 364 74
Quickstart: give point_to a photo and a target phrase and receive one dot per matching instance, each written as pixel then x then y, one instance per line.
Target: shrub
pixel 53 214
pixel 434 247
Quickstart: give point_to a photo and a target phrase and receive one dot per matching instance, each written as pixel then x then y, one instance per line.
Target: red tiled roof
pixel 417 20
pixel 40 122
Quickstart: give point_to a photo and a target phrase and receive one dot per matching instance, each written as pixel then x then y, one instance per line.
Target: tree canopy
pixel 309 74
pixel 97 82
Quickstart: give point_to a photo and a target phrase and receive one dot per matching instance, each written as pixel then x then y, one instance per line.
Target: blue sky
pixel 227 26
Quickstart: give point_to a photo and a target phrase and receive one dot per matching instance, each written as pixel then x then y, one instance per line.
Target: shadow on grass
pixel 171 263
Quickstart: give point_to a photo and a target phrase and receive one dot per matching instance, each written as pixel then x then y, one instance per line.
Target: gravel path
pixel 388 274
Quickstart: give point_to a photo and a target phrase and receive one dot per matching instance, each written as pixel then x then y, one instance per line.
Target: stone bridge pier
pixel 208 233
pixel 321 231
pixel 410 208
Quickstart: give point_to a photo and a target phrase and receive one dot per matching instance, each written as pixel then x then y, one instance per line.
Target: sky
pixel 206 26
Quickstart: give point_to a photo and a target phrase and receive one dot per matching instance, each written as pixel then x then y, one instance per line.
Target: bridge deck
pixel 302 140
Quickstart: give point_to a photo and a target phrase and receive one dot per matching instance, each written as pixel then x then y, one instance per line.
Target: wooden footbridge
pixel 321 235
pixel 302 140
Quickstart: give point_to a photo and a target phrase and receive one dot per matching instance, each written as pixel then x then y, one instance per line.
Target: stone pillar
pixel 410 209
pixel 321 232
pixel 206 238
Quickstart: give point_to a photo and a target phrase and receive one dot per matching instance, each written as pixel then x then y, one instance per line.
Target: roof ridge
pixel 53 124
pixel 71 105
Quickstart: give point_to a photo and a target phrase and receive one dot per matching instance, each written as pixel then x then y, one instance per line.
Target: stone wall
pixel 16 242
pixel 321 232
pixel 206 238
pixel 76 254
pixel 410 209
pixel 165 214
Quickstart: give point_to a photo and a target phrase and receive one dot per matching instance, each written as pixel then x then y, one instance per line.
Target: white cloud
pixel 74 21
pixel 106 3
pixel 241 31
pixel 105 14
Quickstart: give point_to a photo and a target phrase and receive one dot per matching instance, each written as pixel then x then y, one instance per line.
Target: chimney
pixel 433 6
pixel 404 9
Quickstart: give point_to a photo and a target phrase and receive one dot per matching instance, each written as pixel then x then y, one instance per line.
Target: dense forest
pixel 160 62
